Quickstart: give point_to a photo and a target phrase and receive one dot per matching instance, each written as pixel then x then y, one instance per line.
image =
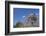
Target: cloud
pixel 36 13
pixel 23 16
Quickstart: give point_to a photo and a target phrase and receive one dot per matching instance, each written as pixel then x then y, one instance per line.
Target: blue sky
pixel 20 13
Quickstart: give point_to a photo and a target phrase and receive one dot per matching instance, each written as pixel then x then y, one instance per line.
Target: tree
pixel 18 24
pixel 32 18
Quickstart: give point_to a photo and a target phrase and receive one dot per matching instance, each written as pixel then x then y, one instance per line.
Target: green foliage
pixel 18 24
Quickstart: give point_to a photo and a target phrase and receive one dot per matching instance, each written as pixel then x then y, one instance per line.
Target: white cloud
pixel 36 13
pixel 23 16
